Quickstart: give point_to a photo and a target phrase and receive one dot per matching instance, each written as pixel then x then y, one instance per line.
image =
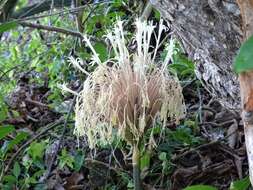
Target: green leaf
pixel 163 156
pixel 242 184
pixel 16 170
pixel 66 159
pixel 244 59
pixel 78 161
pixel 200 187
pixel 20 137
pixel 145 161
pixel 183 135
pixel 36 150
pixel 157 14
pixel 101 50
pixel 130 185
pixel 7 26
pixel 4 131
pixel 9 179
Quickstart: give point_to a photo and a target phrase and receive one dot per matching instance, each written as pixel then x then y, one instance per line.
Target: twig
pixel 36 103
pixel 64 12
pixel 90 13
pixel 53 29
pixel 200 105
pixel 195 149
pixel 147 11
pixel 230 151
pixel 217 124
pixel 116 170
pixel 31 9
pixel 79 21
pixel 221 146
pixel 204 107
pixel 9 70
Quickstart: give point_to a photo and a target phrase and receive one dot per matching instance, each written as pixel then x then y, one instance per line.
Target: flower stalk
pixel 136 168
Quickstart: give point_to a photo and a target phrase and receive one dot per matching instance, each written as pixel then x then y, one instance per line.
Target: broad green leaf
pixel 244 59
pixel 157 14
pixel 19 138
pixel 4 131
pixel 100 48
pixel 39 163
pixel 78 161
pixel 4 108
pixel 36 150
pixel 38 174
pixel 7 26
pixel 16 170
pixel 9 179
pixel 242 184
pixel 200 187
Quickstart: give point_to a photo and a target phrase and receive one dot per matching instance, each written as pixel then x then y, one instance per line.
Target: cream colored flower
pixel 130 95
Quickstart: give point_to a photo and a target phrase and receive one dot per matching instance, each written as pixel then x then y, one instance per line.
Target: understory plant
pixel 130 94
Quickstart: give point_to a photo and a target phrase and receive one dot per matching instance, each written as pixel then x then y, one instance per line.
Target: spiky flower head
pixel 130 95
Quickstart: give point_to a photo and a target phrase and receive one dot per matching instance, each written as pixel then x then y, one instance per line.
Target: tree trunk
pixel 211 33
pixel 246 84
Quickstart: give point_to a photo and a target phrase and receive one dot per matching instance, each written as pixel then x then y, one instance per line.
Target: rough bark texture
pixel 210 32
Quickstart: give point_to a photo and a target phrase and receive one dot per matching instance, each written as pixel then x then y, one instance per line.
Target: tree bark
pixel 211 33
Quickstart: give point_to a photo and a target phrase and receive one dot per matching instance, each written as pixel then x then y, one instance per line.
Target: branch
pixel 53 29
pixel 147 11
pixel 40 7
pixel 62 12
pixel 47 5
pixel 7 9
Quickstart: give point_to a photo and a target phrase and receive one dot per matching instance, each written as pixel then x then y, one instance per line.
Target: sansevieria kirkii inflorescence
pixel 131 94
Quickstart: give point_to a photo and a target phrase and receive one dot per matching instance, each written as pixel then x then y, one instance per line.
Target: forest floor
pixel 206 148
